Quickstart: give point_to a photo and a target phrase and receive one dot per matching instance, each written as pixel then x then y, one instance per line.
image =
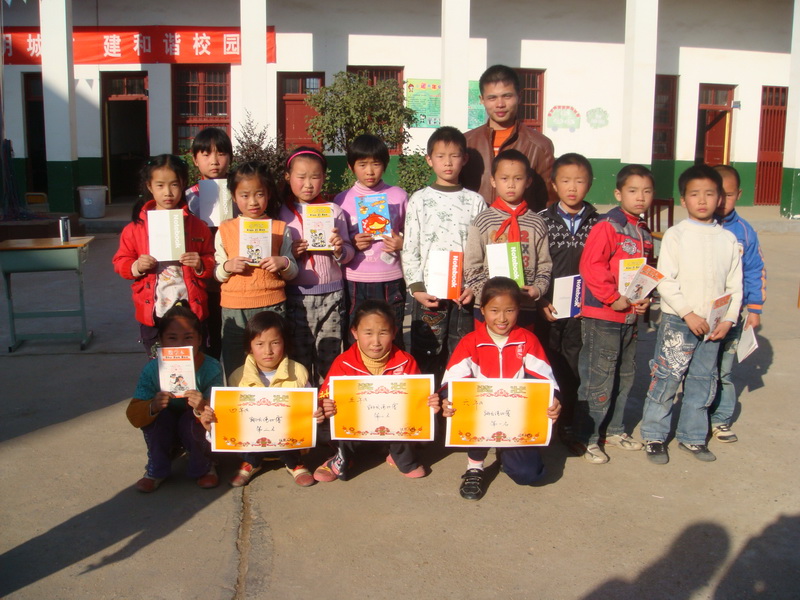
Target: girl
pixel 373 353
pixel 166 420
pixel 246 290
pixel 315 299
pixel 158 286
pixel 499 348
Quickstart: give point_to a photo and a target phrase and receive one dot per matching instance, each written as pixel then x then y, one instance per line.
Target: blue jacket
pixel 754 273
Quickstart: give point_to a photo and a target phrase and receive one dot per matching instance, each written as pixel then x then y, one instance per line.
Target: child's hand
pixel 621 303
pixel 195 400
pixel 392 243
pixel 696 324
pixel 336 243
pixel 299 248
pixel 549 313
pixel 192 259
pixel 554 410
pixel 435 403
pixel 145 262
pixel 720 331
pixel 641 306
pixel 753 320
pixel 362 241
pixel 160 402
pixel 274 264
pixel 531 290
pixel 426 299
pixel 328 407
pixel 208 417
pixel 466 297
pixel 235 265
pixel 447 408
pixel 319 415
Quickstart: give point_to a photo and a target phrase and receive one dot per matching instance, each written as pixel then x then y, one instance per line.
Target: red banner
pixel 135 45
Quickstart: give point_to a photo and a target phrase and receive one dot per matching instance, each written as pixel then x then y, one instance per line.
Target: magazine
pixel 644 282
pixel 718 309
pixel 373 215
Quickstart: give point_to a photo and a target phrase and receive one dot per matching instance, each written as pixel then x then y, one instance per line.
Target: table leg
pixel 12 332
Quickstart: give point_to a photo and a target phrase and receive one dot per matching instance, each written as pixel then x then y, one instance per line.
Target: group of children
pixel 301 304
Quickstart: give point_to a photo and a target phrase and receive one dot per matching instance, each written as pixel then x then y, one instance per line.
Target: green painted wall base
pixel 63 178
pixel 790 194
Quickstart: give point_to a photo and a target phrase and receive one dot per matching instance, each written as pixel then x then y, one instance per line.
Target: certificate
pixel 255 419
pixel 384 407
pixel 499 412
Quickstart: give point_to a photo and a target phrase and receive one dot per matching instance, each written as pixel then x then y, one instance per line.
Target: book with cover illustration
pixel 318 224
pixel 255 239
pixel 644 282
pixel 505 260
pixel 719 308
pixel 628 267
pixel 445 274
pixel 567 296
pixel 372 214
pixel 165 234
pixel 176 370
pixel 214 203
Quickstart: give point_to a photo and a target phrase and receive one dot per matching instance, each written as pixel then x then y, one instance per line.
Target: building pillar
pixel 638 94
pixel 790 196
pixel 455 66
pixel 58 84
pixel 255 80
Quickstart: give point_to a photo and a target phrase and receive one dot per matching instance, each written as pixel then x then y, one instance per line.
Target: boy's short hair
pixel 572 158
pixel 632 171
pixel 701 171
pixel 729 170
pixel 511 155
pixel 447 135
pixel 499 74
pixel 367 146
pixel 212 137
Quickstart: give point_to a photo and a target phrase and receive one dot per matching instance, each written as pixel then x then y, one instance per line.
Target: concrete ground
pixel 73 527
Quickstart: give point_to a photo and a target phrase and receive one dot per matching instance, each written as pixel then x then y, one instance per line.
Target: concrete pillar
pixel 790 197
pixel 455 66
pixel 58 81
pixel 638 94
pixel 254 73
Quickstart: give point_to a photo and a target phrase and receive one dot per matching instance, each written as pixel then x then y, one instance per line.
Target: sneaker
pixel 246 471
pixel 331 470
pixel 623 441
pixel 148 484
pixel 472 486
pixel 595 455
pixel 700 451
pixel 657 452
pixel 209 480
pixel 416 473
pixel 302 476
pixel 723 433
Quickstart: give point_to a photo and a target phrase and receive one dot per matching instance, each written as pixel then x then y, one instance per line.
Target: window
pixel 531 97
pixel 200 98
pixel 375 74
pixel 664 117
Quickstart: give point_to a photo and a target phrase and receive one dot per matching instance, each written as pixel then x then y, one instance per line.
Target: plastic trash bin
pixel 93 201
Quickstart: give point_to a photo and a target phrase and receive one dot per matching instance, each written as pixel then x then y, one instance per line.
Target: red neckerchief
pixel 511 223
pixel 299 215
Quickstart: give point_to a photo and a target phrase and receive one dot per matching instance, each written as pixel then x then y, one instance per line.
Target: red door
pixel 769 166
pixel 714 124
pixel 293 112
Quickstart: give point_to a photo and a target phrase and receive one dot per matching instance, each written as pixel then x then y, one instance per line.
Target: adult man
pixel 500 94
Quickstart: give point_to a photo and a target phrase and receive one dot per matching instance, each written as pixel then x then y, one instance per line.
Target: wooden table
pixel 41 255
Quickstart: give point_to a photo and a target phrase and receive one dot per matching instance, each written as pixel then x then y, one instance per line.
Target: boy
pixel 568 224
pixel 606 364
pixel 438 218
pixel 509 220
pixel 211 152
pixel 754 280
pixel 700 262
pixel 375 271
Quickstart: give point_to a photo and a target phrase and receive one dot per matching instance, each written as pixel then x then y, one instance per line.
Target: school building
pixel 91 87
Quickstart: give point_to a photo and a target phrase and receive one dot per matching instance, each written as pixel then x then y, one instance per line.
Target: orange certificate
pixel 499 412
pixel 258 419
pixel 382 408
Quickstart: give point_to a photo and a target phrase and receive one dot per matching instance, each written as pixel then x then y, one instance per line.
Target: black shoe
pixel 700 451
pixel 656 452
pixel 472 486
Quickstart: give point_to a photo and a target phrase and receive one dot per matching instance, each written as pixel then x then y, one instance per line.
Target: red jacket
pixel 616 236
pixel 133 243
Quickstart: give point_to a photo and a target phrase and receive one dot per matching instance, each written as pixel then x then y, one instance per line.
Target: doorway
pixel 293 112
pixel 714 120
pixel 126 145
pixel 36 149
pixel 771 136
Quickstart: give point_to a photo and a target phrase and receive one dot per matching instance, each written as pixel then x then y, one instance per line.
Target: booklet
pixel 628 267
pixel 176 370
pixel 718 309
pixel 445 274
pixel 373 215
pixel 644 282
pixel 505 260
pixel 255 239
pixel 318 224
pixel 567 296
pixel 747 344
pixel 165 234
pixel 214 202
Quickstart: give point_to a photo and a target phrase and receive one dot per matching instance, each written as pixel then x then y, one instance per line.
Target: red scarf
pixel 299 215
pixel 511 223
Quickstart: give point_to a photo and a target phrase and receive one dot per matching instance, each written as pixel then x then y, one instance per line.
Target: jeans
pixel 606 365
pixel 680 353
pixel 721 410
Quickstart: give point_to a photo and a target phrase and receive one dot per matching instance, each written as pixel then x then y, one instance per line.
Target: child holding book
pixel 157 286
pixel 375 271
pixel 167 420
pixel 247 288
pixel 315 298
pixel 700 262
pixel 510 220
pixel 373 353
pixel 500 349
pixel 438 218
pixel 568 224
pixel 607 360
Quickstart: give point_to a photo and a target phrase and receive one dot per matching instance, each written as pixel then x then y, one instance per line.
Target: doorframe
pixel 726 108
